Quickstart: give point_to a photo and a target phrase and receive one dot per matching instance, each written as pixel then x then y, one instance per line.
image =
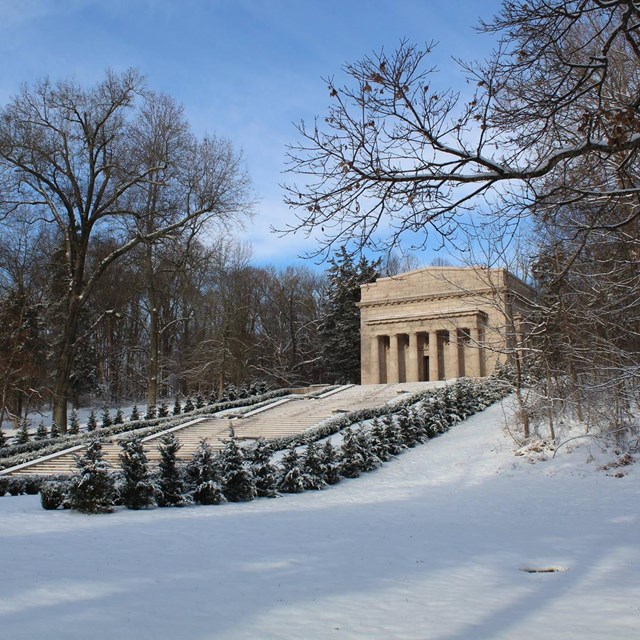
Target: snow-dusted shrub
pixel 16 486
pixel 188 405
pixel 351 458
pixel 379 444
pixel 264 473
pixel 74 423
pixel 330 463
pixel 119 418
pixel 291 480
pixel 92 423
pixel 52 494
pixel 91 489
pixel 4 485
pixel 312 468
pixel 31 485
pixel 237 479
pixel 151 412
pixel 136 490
pixel 41 432
pixel 106 418
pixel 163 410
pixel 135 414
pixel 177 407
pixel 55 430
pixel 203 474
pixel 199 400
pixel 23 436
pixel 170 487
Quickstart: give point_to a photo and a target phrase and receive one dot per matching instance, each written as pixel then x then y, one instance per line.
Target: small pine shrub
pixel 265 473
pixel 392 436
pixel 135 413
pixel 16 486
pixel 74 423
pixel 352 462
pixel 163 410
pixel 52 494
pixel 55 430
pixel 379 444
pixel 92 489
pixel 137 490
pixel 23 436
pixel 188 405
pixel 4 485
pixel 238 481
pixel 170 484
pixel 92 423
pixel 177 407
pixel 106 418
pixel 41 432
pixel 312 468
pixel 203 473
pixel 292 479
pixel 151 412
pixel 119 419
pixel 330 464
pixel 3 438
pixel 199 401
pixel 31 485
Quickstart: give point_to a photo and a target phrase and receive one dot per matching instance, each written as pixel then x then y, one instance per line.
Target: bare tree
pixel 75 158
pixel 395 154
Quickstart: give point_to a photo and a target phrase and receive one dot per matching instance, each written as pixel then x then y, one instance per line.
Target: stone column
pixel 392 362
pixel 475 351
pixel 433 357
pixel 375 360
pixel 453 365
pixel 413 367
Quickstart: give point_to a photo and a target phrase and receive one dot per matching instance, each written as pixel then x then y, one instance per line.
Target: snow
pixel 430 546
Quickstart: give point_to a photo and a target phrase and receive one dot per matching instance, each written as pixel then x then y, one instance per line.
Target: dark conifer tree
pixel 204 476
pixel 199 400
pixel 91 489
pixel 330 463
pixel 92 424
pixel 312 468
pixel 379 444
pixel 365 447
pixel 3 440
pixel 137 490
pixel 340 330
pixel 170 484
pixel 177 407
pixel 41 432
pixel 188 405
pixel 23 436
pixel 265 474
pixel 135 414
pixel 238 481
pixel 119 419
pixel 55 430
pixel 74 423
pixel 291 477
pixel 106 417
pixel 151 412
pixel 392 435
pixel 351 460
pixel 163 410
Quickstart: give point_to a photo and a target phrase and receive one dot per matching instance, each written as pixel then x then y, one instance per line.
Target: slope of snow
pixel 431 546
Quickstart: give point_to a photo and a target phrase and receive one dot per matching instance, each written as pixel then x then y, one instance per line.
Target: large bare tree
pixel 112 159
pixel 397 153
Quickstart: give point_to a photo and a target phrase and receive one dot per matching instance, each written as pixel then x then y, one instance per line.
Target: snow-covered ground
pixel 431 546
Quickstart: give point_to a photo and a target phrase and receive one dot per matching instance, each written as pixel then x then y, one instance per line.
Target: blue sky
pixel 243 69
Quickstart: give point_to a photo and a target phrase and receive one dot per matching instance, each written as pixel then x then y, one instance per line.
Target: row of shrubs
pixel 21 453
pixel 243 473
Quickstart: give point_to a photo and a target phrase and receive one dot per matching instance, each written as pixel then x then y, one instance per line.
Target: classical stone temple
pixel 439 323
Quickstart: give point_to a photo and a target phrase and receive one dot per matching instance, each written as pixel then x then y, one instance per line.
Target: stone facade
pixel 439 323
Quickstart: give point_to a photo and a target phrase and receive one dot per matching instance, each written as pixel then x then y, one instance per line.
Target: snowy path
pixel 431 546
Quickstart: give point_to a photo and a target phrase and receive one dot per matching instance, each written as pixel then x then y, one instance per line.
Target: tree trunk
pixel 65 363
pixel 154 331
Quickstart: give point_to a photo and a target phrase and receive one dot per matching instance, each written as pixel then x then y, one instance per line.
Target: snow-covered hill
pixel 435 544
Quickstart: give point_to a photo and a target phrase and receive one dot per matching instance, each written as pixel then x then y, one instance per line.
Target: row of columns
pixel 402 359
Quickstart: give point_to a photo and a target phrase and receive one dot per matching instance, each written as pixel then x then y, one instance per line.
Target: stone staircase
pixel 283 417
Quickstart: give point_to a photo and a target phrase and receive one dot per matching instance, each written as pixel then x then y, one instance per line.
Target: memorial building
pixel 439 323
